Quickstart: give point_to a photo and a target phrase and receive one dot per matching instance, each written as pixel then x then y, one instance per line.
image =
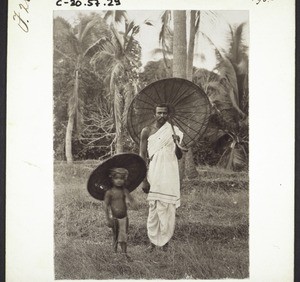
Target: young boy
pixel 115 201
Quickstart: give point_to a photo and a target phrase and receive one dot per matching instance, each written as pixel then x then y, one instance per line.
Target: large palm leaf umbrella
pixel 99 181
pixel 188 105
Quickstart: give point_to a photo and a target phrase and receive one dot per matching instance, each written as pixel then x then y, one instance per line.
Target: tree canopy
pixel 97 71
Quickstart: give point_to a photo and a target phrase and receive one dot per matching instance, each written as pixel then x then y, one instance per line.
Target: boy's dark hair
pixel 118 170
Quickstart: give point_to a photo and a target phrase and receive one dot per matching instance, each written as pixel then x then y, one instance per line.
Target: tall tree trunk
pixel 120 143
pixel 69 132
pixel 73 105
pixel 190 53
pixel 179 60
pixel 190 167
pixel 179 44
pixel 118 110
pixel 190 171
pixel 186 165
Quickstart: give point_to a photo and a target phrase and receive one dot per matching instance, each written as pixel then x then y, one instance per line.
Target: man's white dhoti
pixel 163 176
pixel 161 222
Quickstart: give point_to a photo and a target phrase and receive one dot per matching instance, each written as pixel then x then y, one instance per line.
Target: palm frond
pixel 100 44
pixel 160 51
pixel 64 55
pixel 108 14
pixel 234 157
pixel 64 38
pixel 218 51
pixel 242 66
pixel 116 15
pixel 226 160
pixel 147 22
pixel 166 35
pixel 197 21
pixel 119 15
pixel 236 44
pixel 119 40
pixel 103 57
pixel 229 77
pixel 128 27
pixel 129 44
pixel 84 29
pixel 62 23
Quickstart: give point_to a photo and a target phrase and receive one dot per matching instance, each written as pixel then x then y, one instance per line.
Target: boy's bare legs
pixel 124 250
pixel 115 235
pixel 115 246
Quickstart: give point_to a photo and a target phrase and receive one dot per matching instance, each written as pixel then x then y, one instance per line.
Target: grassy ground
pixel 210 239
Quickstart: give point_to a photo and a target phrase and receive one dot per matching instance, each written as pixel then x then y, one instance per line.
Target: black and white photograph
pixel 169 89
pixel 153 144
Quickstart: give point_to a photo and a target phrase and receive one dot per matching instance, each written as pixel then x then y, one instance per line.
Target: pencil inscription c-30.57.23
pixel 87 3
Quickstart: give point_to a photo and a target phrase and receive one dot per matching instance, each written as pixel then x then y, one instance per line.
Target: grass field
pixel 210 239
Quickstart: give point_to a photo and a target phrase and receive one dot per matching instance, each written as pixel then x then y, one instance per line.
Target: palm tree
pixel 228 92
pixel 194 27
pixel 166 39
pixel 182 62
pixel 76 45
pixel 166 35
pixel 174 45
pixel 120 54
pixel 115 16
pixel 179 45
pixel 231 81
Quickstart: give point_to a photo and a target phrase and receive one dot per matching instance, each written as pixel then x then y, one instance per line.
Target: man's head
pixel 118 176
pixel 162 113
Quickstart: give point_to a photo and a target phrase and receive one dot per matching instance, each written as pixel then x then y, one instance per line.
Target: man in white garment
pixel 162 183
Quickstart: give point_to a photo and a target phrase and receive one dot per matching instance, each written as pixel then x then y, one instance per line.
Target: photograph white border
pixel 29 189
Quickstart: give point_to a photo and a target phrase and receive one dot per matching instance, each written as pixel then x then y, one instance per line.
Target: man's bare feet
pixel 150 248
pixel 165 247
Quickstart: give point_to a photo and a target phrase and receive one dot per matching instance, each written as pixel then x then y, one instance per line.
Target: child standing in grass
pixel 112 181
pixel 115 202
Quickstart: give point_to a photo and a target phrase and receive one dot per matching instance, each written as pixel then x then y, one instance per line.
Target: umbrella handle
pixel 176 141
pixel 180 147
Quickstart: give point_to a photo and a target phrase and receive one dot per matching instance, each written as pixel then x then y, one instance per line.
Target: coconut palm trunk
pixel 118 110
pixel 119 143
pixel 72 113
pixel 69 132
pixel 190 168
pixel 74 46
pixel 179 59
pixel 181 62
pixel 179 45
pixel 190 53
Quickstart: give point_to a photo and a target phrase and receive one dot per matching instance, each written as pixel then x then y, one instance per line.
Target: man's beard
pixel 162 120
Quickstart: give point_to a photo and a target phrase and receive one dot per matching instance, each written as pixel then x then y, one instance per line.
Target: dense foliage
pixel 97 72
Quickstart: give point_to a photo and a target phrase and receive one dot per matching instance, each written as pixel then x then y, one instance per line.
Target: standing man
pixel 162 183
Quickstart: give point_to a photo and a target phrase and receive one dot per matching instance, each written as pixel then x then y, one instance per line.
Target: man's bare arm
pixel 143 153
pixel 144 143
